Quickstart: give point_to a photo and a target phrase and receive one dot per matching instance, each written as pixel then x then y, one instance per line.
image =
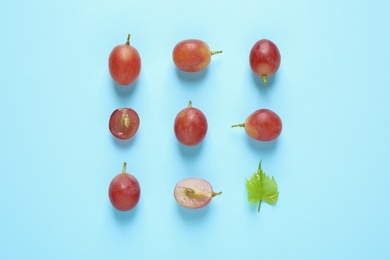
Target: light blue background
pixel 58 157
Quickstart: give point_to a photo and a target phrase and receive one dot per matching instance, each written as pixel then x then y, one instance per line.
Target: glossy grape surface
pixel 124 64
pixel 262 125
pixel 192 55
pixel 264 59
pixel 190 126
pixel 194 193
pixel 124 123
pixel 124 191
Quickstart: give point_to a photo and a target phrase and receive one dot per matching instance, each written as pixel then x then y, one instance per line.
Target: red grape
pixel 190 126
pixel 194 193
pixel 124 191
pixel 192 55
pixel 264 59
pixel 263 125
pixel 124 63
pixel 124 123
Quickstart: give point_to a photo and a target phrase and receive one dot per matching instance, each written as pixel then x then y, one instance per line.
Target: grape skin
pixel 124 191
pixel 264 59
pixel 190 126
pixel 263 125
pixel 192 55
pixel 124 63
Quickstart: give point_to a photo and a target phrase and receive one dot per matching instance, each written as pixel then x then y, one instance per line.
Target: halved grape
pixel 194 193
pixel 124 123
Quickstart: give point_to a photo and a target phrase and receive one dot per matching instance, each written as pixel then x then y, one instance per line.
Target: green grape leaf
pixel 261 187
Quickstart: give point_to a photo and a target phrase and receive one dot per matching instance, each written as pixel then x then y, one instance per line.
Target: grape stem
pixel 216 193
pixel 264 79
pixel 215 52
pixel 190 103
pixel 124 167
pixel 239 125
pixel 128 40
pixel 192 194
pixel 258 208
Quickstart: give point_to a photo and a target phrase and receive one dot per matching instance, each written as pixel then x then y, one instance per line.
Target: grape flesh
pixel 264 59
pixel 124 191
pixel 124 123
pixel 192 55
pixel 194 193
pixel 263 125
pixel 124 63
pixel 190 126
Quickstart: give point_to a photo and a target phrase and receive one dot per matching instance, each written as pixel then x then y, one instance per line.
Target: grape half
pixel 194 193
pixel 124 63
pixel 190 126
pixel 262 125
pixel 124 123
pixel 192 55
pixel 264 59
pixel 124 191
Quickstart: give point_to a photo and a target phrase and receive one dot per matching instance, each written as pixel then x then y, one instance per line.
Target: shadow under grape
pixel 262 146
pixel 124 91
pixel 191 76
pixel 193 215
pixel 123 217
pixel 190 151
pixel 124 143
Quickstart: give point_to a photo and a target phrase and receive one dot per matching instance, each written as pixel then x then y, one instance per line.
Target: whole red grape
pixel 124 123
pixel 262 125
pixel 190 126
pixel 124 191
pixel 124 63
pixel 192 55
pixel 194 193
pixel 264 59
